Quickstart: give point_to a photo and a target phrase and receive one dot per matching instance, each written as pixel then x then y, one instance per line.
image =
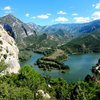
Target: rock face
pixel 8 52
pixel 96 68
pixel 20 29
pixel 42 94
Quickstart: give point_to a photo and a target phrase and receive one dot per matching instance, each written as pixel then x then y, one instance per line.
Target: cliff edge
pixel 8 53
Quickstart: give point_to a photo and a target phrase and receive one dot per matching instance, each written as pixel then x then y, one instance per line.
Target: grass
pixel 58 53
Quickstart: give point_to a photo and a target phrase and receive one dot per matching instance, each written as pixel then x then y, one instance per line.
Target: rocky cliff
pixel 8 53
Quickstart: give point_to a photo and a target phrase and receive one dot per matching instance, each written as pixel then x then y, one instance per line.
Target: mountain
pixel 71 30
pixel 20 29
pixel 83 44
pixel 9 62
pixel 35 27
pixel 30 35
pixel 73 36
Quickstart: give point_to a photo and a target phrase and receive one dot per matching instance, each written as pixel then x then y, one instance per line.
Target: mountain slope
pixel 71 30
pixel 20 29
pixel 87 43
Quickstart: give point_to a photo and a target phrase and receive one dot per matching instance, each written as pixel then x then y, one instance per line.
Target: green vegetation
pixel 40 42
pixel 83 44
pixel 53 60
pixel 24 55
pixel 48 64
pixel 3 66
pixel 45 52
pixel 58 55
pixel 25 84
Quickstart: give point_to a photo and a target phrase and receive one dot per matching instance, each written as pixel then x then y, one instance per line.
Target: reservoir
pixel 80 66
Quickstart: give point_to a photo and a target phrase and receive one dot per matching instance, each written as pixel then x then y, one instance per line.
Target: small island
pixel 53 61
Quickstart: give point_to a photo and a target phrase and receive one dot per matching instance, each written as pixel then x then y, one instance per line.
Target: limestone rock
pixel 8 52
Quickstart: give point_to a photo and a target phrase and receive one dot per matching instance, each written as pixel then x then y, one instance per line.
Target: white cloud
pixel 7 8
pixel 93 5
pixel 81 19
pixel 62 12
pixel 96 6
pixel 96 15
pixel 33 17
pixel 61 19
pixel 74 14
pixel 43 16
pixel 48 14
pixel 27 14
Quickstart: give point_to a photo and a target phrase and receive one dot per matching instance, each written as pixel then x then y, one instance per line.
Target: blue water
pixel 80 66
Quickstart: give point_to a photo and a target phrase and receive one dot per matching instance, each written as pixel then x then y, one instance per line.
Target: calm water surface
pixel 80 66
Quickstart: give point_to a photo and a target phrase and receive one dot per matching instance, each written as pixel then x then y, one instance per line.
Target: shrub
pixel 3 66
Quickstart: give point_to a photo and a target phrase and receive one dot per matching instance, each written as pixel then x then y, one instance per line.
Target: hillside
pixel 83 44
pixel 31 37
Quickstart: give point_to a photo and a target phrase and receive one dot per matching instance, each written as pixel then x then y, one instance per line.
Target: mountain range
pixel 59 33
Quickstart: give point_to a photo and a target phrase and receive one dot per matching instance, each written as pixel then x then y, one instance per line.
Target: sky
pixel 48 12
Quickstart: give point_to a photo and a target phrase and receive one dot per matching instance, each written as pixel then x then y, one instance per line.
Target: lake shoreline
pixel 73 61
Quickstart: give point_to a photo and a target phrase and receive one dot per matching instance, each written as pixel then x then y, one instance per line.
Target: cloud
pixel 96 6
pixel 74 14
pixel 61 19
pixel 81 19
pixel 7 8
pixel 43 16
pixel 93 5
pixel 48 14
pixel 96 15
pixel 62 12
pixel 27 14
pixel 33 17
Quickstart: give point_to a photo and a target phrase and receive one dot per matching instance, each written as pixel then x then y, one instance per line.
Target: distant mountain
pixel 61 33
pixel 71 30
pixel 34 26
pixel 83 44
pixel 21 29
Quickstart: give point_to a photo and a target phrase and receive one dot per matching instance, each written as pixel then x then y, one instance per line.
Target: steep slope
pixel 8 53
pixel 41 42
pixel 82 44
pixel 21 29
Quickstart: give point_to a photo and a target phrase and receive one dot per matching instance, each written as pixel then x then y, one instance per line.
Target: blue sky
pixel 47 12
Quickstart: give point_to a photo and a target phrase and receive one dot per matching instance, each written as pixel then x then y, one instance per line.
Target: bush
pixel 3 66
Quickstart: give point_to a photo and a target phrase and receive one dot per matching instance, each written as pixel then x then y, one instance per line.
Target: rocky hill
pixel 8 53
pixel 20 29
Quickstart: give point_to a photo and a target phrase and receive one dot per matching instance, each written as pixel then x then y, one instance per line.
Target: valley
pixel 55 61
pixel 80 66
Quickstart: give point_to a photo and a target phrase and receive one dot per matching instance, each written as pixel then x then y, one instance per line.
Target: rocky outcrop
pixel 96 68
pixel 41 94
pixel 20 29
pixel 8 52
